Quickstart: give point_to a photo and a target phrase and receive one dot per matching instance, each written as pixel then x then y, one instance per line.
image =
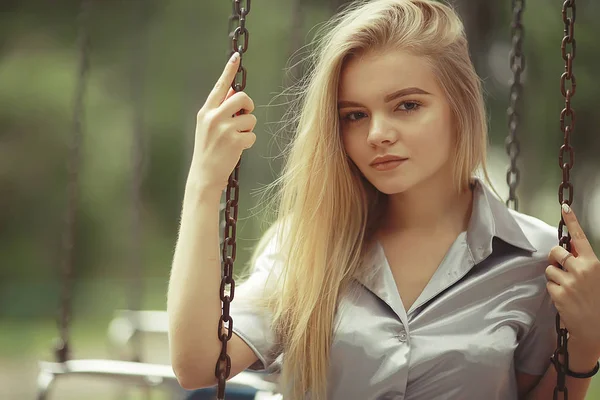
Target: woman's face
pixel 391 104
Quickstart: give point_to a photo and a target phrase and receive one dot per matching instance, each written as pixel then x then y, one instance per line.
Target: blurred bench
pixel 245 385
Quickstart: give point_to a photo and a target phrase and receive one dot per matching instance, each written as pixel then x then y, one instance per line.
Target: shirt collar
pixel 491 218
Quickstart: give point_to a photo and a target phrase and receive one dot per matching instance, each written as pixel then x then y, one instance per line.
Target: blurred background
pixel 152 64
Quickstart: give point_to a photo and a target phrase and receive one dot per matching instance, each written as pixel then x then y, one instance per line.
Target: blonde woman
pixel 392 272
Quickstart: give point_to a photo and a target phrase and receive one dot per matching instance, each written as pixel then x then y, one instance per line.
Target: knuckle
pixel 205 116
pixel 234 98
pixel 248 140
pixel 252 140
pixel 582 272
pixel 552 254
pixel 247 100
pixel 569 286
pixel 210 119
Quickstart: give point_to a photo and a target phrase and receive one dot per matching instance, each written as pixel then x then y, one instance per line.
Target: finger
pixel 230 93
pixel 559 256
pixel 220 91
pixel 578 238
pixel 237 102
pixel 246 139
pixel 556 293
pixel 556 275
pixel 243 123
pixel 573 249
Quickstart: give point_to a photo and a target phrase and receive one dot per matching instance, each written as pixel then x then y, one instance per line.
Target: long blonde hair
pixel 326 209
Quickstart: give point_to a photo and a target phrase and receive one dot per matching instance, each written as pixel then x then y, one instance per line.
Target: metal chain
pixel 62 349
pixel 239 40
pixel 566 157
pixel 517 66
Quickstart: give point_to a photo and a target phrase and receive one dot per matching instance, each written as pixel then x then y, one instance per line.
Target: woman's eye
pixel 410 106
pixel 354 116
pixel 406 107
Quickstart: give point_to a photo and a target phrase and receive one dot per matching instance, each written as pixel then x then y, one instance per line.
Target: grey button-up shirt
pixel 484 315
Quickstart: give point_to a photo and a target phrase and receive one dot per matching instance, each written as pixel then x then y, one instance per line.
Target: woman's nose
pixel 382 133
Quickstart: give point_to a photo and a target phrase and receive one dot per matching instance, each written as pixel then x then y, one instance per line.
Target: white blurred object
pixel 127 323
pixel 143 374
pixel 497 163
pixel 593 211
pixel 268 396
pixel 499 66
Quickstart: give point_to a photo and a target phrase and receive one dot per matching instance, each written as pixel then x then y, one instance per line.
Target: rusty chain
pixel 237 30
pixel 239 40
pixel 517 66
pixel 566 157
pixel 62 349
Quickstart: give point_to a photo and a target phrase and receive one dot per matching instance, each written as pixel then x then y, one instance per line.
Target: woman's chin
pixel 394 188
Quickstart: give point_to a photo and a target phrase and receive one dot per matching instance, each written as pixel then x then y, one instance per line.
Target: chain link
pixel 62 349
pixel 239 42
pixel 517 66
pixel 566 158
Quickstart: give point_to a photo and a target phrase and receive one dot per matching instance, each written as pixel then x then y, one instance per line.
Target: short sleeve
pixel 252 323
pixel 533 352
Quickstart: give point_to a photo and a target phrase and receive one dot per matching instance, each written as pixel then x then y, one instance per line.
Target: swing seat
pixel 143 374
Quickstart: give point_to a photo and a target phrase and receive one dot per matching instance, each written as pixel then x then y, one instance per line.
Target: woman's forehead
pixel 382 72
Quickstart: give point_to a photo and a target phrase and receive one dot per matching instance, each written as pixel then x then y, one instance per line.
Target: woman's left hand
pixel 575 290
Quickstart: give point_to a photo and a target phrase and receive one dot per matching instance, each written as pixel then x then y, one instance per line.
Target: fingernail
pixel 234 57
pixel 565 207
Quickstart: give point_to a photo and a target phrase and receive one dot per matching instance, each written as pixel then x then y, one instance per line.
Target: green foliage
pixel 182 46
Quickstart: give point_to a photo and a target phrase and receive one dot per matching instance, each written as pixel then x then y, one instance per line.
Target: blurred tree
pixel 187 43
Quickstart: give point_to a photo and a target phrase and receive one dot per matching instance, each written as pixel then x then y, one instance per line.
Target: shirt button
pixel 402 336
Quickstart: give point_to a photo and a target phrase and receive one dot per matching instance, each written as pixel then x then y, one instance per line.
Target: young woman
pixel 392 271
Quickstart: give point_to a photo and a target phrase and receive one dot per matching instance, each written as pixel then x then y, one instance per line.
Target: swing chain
pixel 517 66
pixel 62 348
pixel 238 17
pixel 565 190
pixel 227 288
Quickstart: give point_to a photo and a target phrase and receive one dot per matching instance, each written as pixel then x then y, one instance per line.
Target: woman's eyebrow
pixel 400 93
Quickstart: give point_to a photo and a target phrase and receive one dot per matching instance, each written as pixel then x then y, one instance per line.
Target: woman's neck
pixel 433 207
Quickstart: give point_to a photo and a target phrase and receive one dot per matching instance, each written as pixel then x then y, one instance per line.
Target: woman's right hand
pixel 221 135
